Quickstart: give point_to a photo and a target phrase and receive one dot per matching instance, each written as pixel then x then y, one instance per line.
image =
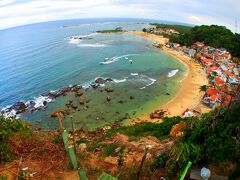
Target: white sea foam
pixel 11 113
pixel 173 73
pixel 119 80
pixel 152 81
pixel 134 74
pixel 40 100
pixel 114 59
pixel 92 45
pixel 83 36
pixel 74 41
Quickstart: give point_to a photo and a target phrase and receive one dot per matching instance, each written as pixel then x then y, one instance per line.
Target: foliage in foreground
pixel 213 138
pixel 8 127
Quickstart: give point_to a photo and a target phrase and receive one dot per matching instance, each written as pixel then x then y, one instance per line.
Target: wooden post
pixel 72 157
pixel 74 139
pixel 65 139
pixel 82 174
pixel 142 162
pixel 183 174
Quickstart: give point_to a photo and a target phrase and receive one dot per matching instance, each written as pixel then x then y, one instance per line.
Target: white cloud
pixel 196 12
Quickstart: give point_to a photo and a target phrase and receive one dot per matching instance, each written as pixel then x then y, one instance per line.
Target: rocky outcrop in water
pixel 100 81
pixel 157 114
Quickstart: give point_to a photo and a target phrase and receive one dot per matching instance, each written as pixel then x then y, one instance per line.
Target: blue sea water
pixel 41 58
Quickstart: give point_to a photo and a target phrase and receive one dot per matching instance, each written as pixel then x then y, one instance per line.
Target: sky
pixel 198 12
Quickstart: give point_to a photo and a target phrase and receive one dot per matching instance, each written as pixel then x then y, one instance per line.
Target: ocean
pixel 40 58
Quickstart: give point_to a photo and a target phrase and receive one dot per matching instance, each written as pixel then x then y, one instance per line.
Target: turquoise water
pixel 41 58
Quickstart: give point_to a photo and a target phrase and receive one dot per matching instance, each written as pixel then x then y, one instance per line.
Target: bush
pixel 8 127
pixel 5 154
pixel 109 150
pixel 159 161
pixel 159 130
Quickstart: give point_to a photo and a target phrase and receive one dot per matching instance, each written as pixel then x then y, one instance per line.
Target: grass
pixel 109 150
pixel 91 148
pixel 160 130
pixel 82 141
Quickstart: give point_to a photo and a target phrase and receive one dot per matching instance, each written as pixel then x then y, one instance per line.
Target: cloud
pixel 19 12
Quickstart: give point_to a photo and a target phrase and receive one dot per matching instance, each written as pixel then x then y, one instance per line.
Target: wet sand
pixel 189 95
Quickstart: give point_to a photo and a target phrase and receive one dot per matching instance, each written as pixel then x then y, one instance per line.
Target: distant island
pixel 116 30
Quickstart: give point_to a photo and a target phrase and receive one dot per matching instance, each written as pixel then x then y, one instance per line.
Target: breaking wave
pixel 173 73
pixel 134 74
pixel 114 59
pixel 92 45
pixel 152 81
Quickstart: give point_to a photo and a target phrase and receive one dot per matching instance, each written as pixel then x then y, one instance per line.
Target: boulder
pixel 82 147
pixel 79 93
pixel 108 98
pixel 45 103
pixel 81 100
pixel 109 90
pixel 117 150
pixel 131 97
pixel 100 81
pixel 19 107
pixel 120 101
pixel 95 86
pixel 54 114
pixel 157 114
pixel 177 129
pixel 74 106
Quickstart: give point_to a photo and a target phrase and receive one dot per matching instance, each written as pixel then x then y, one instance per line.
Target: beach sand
pixel 188 95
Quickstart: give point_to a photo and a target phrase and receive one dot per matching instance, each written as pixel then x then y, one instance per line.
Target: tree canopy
pixel 214 35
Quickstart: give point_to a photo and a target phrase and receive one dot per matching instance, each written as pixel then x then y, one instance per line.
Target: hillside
pixel 210 140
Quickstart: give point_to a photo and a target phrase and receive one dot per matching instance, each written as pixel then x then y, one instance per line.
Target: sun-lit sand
pixel 188 95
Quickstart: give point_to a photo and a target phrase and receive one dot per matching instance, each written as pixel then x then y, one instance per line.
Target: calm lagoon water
pixel 41 58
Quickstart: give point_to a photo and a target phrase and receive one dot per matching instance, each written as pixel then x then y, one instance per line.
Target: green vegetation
pixel 159 130
pixel 109 150
pixel 8 127
pixel 212 138
pixel 215 36
pixel 116 30
pixel 180 28
pixel 203 88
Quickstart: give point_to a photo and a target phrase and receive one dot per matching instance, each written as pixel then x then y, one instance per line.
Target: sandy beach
pixel 189 95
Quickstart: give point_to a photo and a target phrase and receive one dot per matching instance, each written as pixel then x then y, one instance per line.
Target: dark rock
pixel 109 90
pixel 45 103
pixel 108 80
pixel 100 81
pixel 131 97
pixel 74 106
pixel 157 114
pixel 120 101
pixel 19 107
pixel 108 98
pixel 95 86
pixel 79 93
pixel 167 94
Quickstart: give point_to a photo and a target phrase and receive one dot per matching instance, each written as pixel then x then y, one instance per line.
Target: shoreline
pixel 188 96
